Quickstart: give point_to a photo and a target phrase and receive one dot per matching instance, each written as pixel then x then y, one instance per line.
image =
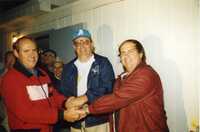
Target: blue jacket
pixel 100 82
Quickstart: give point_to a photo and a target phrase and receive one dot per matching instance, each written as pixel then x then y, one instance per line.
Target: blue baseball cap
pixel 81 33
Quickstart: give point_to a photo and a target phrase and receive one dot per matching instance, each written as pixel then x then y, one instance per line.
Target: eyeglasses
pixel 81 43
pixel 128 52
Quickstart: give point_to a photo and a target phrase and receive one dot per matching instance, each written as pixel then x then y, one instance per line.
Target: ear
pixel 93 49
pixel 16 53
pixel 74 47
pixel 141 55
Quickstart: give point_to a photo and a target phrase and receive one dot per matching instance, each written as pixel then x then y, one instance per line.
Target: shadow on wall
pixel 104 39
pixel 172 83
pixel 107 47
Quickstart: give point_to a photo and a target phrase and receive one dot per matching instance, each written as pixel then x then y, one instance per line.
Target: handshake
pixel 76 108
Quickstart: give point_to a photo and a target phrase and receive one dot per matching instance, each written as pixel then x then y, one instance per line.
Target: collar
pixel 125 74
pixel 20 67
pixel 89 61
pixel 96 61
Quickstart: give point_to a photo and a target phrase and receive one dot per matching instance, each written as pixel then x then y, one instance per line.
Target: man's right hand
pixel 76 102
pixel 74 114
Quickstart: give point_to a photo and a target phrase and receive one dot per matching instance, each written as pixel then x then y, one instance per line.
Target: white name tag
pixel 37 92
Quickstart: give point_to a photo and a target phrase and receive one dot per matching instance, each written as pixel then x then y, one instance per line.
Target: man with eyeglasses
pixel 87 77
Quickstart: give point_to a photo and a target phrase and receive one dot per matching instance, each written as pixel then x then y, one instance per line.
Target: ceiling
pixel 6 5
pixel 21 17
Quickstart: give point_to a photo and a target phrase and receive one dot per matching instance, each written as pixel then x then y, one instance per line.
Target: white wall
pixel 168 30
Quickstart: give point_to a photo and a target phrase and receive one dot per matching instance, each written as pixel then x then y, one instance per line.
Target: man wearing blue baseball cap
pixel 87 77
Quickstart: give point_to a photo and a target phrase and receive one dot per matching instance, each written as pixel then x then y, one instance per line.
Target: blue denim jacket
pixel 100 82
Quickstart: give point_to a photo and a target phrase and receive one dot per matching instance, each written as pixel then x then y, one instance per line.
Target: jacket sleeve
pixel 66 82
pixel 134 89
pixel 18 103
pixel 106 81
pixel 58 98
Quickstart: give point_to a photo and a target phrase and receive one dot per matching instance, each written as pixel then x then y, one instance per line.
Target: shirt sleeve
pixel 58 98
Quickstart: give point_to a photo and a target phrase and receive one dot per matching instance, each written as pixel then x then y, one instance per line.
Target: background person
pixel 47 60
pixel 9 60
pixel 60 126
pixel 57 70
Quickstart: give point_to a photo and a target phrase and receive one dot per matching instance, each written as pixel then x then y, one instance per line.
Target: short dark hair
pixel 51 51
pixel 138 46
pixel 18 42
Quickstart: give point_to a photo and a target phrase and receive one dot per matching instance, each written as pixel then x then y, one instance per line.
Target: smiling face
pixel 83 47
pixel 130 57
pixel 27 53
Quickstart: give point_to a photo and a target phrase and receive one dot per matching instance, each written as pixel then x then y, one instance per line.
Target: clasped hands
pixel 75 108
